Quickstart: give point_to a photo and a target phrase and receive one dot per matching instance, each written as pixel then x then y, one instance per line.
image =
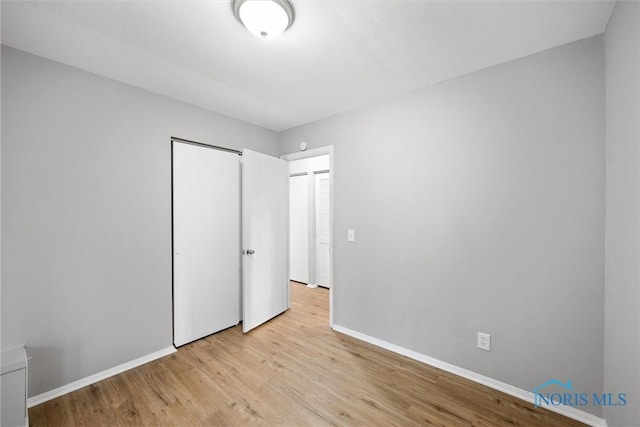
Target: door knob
pixel 250 252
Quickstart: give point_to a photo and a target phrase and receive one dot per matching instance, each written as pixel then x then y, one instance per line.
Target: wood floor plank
pixel 292 371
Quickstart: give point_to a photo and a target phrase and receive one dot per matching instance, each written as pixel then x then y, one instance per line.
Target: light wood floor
pixel 292 371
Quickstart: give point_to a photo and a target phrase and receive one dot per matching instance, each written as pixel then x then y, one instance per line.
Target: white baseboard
pixel 567 411
pixel 76 385
pixel 312 285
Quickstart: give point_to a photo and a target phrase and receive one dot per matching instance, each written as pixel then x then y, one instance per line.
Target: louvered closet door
pixel 323 244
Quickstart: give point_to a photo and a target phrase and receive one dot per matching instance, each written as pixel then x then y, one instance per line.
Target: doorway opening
pixel 311 219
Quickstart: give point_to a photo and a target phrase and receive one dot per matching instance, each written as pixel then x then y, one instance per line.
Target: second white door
pixel 265 236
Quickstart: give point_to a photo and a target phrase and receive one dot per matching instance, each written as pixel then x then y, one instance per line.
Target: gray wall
pixel 86 197
pixel 622 297
pixel 478 205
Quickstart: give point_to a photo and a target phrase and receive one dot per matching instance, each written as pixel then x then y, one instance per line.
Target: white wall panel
pixel 299 229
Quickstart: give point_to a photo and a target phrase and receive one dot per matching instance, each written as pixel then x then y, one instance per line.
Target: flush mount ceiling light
pixel 265 19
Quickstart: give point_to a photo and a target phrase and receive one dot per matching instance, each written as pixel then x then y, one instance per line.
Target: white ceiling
pixel 338 54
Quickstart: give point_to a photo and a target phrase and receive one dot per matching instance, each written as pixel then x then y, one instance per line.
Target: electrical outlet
pixel 484 341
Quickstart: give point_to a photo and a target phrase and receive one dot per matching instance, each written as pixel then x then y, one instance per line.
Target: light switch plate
pixel 351 235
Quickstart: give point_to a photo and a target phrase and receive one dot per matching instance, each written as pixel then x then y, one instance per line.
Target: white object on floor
pixel 14 387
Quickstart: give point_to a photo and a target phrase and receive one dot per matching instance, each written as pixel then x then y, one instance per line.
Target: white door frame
pixel 315 153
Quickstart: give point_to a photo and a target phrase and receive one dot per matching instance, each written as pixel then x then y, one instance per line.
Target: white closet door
pixel 265 236
pixel 206 236
pixel 299 228
pixel 323 245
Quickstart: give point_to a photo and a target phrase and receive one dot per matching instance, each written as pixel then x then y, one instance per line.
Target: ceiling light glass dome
pixel 265 19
